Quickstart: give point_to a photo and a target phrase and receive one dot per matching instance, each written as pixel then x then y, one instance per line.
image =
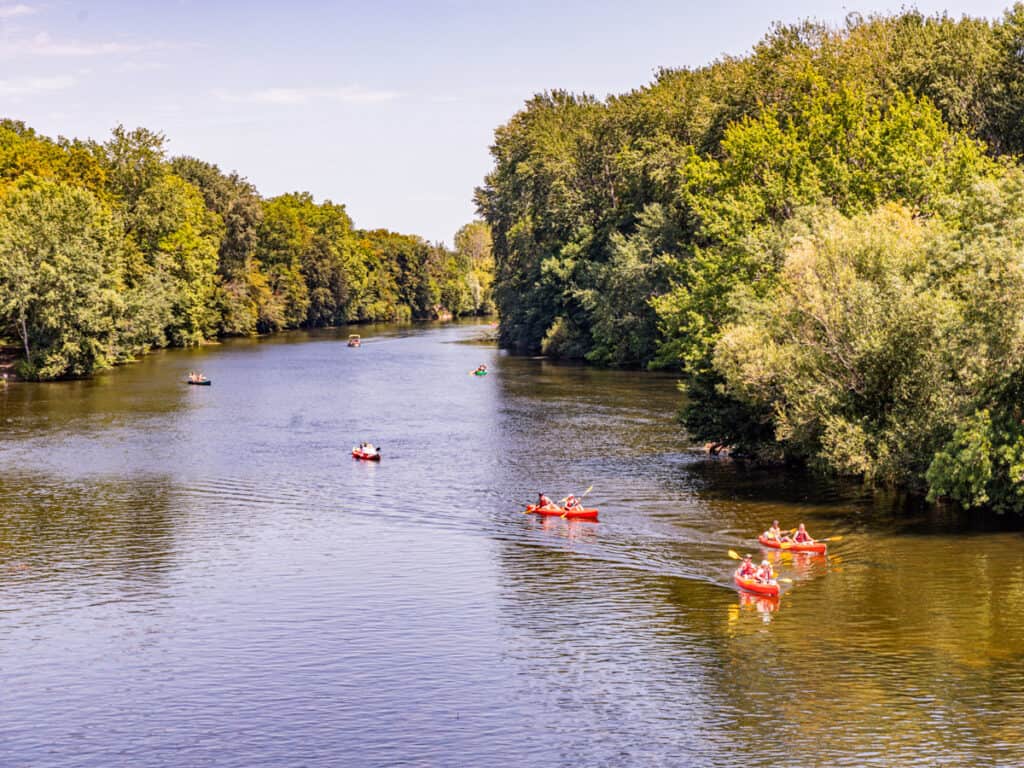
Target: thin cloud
pixel 11 11
pixel 43 45
pixel 348 94
pixel 23 86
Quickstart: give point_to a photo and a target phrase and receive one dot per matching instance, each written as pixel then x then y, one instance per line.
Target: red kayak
pixel 791 546
pixel 575 514
pixel 357 454
pixel 752 585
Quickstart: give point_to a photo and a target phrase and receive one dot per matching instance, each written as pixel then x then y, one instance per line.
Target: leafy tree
pixel 59 278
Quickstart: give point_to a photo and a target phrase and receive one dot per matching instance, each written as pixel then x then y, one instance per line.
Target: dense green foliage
pixel 821 236
pixel 108 250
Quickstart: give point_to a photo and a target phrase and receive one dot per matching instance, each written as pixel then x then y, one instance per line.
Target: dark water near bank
pixel 204 577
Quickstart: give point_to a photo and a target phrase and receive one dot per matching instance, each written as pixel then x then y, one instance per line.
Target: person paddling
pixel 543 502
pixel 571 502
pixel 775 533
pixel 747 569
pixel 765 574
pixel 802 536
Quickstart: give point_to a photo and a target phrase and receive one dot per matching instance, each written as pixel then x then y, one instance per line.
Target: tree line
pixel 825 237
pixel 108 250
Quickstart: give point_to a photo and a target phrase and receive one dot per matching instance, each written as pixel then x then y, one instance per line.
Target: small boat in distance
pixel 197 379
pixel 481 370
pixel 353 340
pixel 366 452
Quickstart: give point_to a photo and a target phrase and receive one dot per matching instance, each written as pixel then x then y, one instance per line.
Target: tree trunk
pixel 24 339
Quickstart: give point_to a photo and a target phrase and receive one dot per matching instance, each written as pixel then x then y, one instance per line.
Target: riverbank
pixel 9 356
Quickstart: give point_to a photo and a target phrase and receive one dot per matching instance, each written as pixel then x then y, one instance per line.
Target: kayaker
pixel 765 574
pixel 775 532
pixel 747 568
pixel 571 502
pixel 802 536
pixel 543 502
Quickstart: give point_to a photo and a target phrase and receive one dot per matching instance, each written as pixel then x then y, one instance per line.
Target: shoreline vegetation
pixel 825 237
pixel 109 250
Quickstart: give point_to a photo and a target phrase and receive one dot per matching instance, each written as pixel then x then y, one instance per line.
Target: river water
pixel 203 576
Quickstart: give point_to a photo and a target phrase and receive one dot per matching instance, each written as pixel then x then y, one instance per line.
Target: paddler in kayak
pixel 802 536
pixel 571 502
pixel 765 574
pixel 543 502
pixel 747 569
pixel 775 533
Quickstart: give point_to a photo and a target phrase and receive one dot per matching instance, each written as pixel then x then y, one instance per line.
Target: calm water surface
pixel 195 576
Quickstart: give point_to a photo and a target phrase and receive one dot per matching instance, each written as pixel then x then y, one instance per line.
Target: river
pixel 203 576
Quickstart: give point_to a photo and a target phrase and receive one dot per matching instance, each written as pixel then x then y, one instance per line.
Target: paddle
pixel 791 544
pixel 581 496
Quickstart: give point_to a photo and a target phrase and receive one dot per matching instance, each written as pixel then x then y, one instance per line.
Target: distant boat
pixel 198 380
pixel 353 340
pixel 358 453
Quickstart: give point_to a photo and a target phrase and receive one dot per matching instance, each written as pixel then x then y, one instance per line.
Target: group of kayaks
pixel 770 588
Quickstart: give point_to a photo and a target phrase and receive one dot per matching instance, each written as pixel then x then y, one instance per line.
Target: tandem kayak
pixel 791 546
pixel 203 383
pixel 574 514
pixel 357 454
pixel 752 585
pixel 479 373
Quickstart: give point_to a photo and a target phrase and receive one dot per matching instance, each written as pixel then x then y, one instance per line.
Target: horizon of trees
pixel 108 250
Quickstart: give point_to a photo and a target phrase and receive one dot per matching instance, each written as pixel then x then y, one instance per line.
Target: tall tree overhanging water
pixel 822 236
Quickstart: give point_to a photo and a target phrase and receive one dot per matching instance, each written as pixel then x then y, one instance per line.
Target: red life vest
pixel 802 536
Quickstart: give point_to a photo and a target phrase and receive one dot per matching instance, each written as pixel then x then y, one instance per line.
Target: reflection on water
pixel 203 576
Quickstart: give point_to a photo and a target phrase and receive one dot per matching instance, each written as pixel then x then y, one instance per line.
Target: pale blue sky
pixel 388 106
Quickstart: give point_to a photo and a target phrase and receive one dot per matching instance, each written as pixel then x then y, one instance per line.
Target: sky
pixel 388 107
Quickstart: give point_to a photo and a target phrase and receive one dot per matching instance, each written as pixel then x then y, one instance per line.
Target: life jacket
pixel 802 536
pixel 747 569
pixel 764 574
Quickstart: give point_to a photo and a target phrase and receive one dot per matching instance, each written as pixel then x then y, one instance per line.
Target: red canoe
pixel 575 514
pixel 357 454
pixel 791 546
pixel 752 585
